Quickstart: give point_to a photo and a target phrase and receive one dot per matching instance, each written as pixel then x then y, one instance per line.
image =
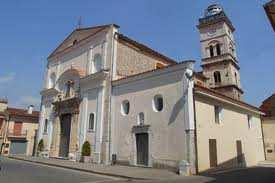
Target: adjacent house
pixel 136 106
pixel 270 12
pixel 268 122
pixel 18 130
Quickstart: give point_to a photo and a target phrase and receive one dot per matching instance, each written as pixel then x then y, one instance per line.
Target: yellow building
pixel 268 121
pixel 228 131
pixel 18 128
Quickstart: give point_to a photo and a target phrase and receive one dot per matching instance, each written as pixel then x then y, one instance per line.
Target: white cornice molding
pixel 201 93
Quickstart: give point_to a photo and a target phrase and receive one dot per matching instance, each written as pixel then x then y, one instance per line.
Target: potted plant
pixel 86 152
pixel 40 147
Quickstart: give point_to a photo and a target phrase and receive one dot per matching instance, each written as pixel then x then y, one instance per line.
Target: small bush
pixel 86 149
pixel 40 146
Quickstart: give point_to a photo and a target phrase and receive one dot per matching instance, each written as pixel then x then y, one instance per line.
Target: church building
pixel 136 106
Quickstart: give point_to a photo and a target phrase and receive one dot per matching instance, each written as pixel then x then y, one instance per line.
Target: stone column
pixel 104 153
pixel 54 150
pixel 74 135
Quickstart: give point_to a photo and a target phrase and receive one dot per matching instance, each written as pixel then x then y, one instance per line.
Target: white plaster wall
pixel 167 128
pixel 79 58
pixel 234 126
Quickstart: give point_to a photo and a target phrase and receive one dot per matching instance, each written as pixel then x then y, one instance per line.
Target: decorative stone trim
pixel 140 129
pixel 67 106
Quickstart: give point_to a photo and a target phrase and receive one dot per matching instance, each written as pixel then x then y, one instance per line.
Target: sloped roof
pixel 77 36
pixel 270 11
pixel 22 113
pixel 226 98
pixel 268 106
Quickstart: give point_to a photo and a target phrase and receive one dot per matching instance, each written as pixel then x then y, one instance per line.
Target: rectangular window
pixel 218 114
pixel 92 122
pixel 249 119
pixel 46 126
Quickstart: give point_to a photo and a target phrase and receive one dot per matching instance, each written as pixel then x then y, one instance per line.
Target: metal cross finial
pixel 79 23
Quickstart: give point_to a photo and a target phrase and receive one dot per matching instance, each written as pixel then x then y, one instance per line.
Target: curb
pixel 79 169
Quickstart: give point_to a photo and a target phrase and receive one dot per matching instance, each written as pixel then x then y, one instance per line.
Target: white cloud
pixel 7 78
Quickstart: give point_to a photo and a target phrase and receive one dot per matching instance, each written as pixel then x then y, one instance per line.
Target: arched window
pixel 92 121
pixel 74 42
pixel 158 103
pixel 217 77
pixel 97 63
pixel 141 118
pixel 52 80
pixel 211 50
pixel 218 49
pixel 68 88
pixel 46 126
pixel 125 107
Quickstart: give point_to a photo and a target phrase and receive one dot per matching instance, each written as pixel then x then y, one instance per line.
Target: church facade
pixel 136 106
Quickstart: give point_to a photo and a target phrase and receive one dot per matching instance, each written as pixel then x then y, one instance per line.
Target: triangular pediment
pixel 76 37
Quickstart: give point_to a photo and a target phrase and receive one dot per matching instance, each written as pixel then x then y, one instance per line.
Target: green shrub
pixel 86 149
pixel 40 146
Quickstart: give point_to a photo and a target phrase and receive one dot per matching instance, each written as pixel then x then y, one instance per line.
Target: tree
pixel 86 149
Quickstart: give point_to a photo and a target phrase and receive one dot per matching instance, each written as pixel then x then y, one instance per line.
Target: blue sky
pixel 30 30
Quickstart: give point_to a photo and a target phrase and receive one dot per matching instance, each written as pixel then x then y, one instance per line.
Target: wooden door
pixel 239 151
pixel 17 128
pixel 65 133
pixel 142 148
pixel 213 153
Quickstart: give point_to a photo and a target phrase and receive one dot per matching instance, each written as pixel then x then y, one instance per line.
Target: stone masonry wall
pixel 131 61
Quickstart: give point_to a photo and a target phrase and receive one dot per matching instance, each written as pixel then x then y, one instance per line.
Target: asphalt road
pixel 14 171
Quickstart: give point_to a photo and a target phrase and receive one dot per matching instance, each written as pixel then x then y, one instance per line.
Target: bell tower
pixel 218 49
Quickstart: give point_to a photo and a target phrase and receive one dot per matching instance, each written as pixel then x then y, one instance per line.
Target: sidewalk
pixel 126 172
pixel 267 164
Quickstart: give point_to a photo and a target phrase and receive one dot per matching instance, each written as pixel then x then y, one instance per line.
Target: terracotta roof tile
pixel 22 112
pixel 218 94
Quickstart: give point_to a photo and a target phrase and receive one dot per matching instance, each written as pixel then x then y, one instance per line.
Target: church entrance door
pixel 65 131
pixel 142 149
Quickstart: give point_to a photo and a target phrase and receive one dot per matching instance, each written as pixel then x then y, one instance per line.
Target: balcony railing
pixel 17 134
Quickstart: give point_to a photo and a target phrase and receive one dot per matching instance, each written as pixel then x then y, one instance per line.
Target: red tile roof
pixel 22 112
pixel 218 94
pixel 268 106
pixel 270 11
